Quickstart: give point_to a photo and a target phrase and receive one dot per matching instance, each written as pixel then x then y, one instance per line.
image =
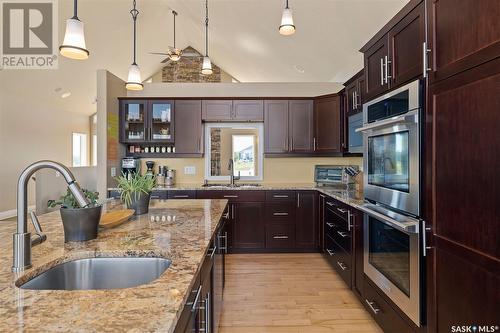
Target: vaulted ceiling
pixel 244 41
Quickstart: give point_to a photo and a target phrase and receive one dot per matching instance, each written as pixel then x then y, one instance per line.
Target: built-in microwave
pixel 355 139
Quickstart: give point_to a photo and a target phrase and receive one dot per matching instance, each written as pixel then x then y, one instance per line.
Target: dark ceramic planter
pixel 140 203
pixel 80 224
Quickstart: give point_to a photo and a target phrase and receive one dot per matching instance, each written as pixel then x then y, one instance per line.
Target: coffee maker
pixel 130 166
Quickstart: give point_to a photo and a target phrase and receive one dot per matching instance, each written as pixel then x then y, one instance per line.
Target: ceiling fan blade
pixel 159 53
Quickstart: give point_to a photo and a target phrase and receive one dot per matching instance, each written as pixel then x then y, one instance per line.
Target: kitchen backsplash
pixel 276 170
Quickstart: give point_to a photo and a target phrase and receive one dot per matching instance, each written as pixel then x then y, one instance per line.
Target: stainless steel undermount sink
pixel 231 186
pixel 99 273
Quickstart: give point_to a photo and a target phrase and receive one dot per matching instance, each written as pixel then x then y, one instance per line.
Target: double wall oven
pixel 391 134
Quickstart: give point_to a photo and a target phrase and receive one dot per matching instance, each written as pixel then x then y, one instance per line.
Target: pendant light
pixel 73 45
pixel 206 67
pixel 134 81
pixel 287 27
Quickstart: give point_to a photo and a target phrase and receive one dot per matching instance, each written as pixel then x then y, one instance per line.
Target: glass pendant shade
pixel 206 68
pixel 287 28
pixel 174 57
pixel 134 81
pixel 73 46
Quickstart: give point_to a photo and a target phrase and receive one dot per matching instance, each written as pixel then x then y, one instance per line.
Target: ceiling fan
pixel 173 52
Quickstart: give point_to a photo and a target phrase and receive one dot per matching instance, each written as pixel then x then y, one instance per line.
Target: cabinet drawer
pixel 339 259
pixel 277 212
pixel 232 195
pixel 181 194
pixel 337 207
pixel 338 222
pixel 342 238
pixel 280 236
pixel 159 194
pixel 281 196
pixel 382 311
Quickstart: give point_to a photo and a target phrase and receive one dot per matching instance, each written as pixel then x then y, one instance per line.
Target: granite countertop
pixel 179 230
pixel 349 197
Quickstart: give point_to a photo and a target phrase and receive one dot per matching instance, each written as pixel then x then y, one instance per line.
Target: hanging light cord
pixel 75 10
pixel 286 1
pixel 134 13
pixel 175 14
pixel 206 28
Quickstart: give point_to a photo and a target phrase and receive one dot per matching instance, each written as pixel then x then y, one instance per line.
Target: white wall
pixel 31 130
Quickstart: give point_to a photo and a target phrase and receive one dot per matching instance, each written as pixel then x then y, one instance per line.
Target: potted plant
pixel 135 191
pixel 80 224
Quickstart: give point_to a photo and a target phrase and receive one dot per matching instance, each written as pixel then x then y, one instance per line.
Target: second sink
pixel 99 273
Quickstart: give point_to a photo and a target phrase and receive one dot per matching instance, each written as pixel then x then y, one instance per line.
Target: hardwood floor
pixel 289 293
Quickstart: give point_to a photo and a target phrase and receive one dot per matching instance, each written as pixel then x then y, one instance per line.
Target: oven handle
pixel 407 117
pixel 409 227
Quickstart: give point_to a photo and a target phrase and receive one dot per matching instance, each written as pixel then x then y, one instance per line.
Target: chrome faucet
pixel 231 170
pixel 22 241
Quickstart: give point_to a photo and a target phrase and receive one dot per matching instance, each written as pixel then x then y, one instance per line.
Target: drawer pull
pixel 226 216
pixel 230 196
pixel 341 265
pixel 343 211
pixel 330 252
pixel 280 237
pixel 372 307
pixel 280 214
pixel 343 233
pixel 331 225
pixel 280 196
pixel 331 204
pixel 194 304
pixel 155 197
pixel 211 255
pixel 181 196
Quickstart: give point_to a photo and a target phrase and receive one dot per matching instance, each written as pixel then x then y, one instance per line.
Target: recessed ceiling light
pixel 299 69
pixel 66 94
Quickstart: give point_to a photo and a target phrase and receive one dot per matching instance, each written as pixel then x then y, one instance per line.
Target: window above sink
pixel 242 142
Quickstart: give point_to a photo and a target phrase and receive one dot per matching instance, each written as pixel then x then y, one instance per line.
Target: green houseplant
pixel 135 191
pixel 80 224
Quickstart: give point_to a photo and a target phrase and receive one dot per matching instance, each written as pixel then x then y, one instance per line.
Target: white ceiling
pixel 244 41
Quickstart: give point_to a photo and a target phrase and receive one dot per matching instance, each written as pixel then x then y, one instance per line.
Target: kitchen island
pixel 178 230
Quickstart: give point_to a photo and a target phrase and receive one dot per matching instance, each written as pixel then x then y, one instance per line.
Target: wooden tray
pixel 115 218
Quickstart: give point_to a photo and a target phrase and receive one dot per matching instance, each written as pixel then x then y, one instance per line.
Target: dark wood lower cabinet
pixel 357 225
pixel 248 226
pixel 306 220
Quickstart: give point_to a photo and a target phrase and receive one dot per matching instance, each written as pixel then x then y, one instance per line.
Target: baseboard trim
pixel 13 212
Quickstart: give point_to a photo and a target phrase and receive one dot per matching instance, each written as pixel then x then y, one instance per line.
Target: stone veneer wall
pixel 188 69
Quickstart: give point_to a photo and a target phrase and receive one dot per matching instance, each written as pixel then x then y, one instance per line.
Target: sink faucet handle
pixel 40 236
pixel 238 177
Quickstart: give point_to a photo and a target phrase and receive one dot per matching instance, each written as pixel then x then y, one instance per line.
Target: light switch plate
pixel 189 170
pixel 113 171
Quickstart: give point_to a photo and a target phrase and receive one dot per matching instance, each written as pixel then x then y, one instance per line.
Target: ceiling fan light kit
pixel 134 81
pixel 287 27
pixel 73 45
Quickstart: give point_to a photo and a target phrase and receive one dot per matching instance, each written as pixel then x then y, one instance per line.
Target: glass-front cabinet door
pixel 161 122
pixel 133 121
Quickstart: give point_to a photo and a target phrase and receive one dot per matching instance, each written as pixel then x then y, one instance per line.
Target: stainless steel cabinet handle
pixel 225 242
pixel 349 225
pixel 343 234
pixel 181 196
pixel 298 200
pixel 211 255
pixel 372 307
pixel 354 101
pixel 234 214
pixel 424 239
pixel 331 204
pixel 331 225
pixel 314 144
pixel 330 252
pixel 194 304
pixel 341 265
pixel 226 216
pixel 387 63
pixel 280 237
pixel 425 59
pixel 155 197
pixel 382 71
pixel 280 196
pixel 230 196
pixel 343 211
pixel 280 214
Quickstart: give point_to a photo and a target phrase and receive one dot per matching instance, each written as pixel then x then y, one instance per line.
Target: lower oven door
pixel 392 257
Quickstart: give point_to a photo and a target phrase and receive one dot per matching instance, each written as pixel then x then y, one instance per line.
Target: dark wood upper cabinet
pixel 217 110
pixel 354 92
pixel 301 125
pixel 276 126
pixel 249 226
pixel 188 127
pixel 133 121
pixel 406 47
pixel 328 125
pixel 375 69
pixel 462 35
pixel 248 110
pixel 161 121
pixel 306 220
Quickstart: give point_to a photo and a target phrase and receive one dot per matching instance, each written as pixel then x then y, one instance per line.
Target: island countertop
pixel 179 230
